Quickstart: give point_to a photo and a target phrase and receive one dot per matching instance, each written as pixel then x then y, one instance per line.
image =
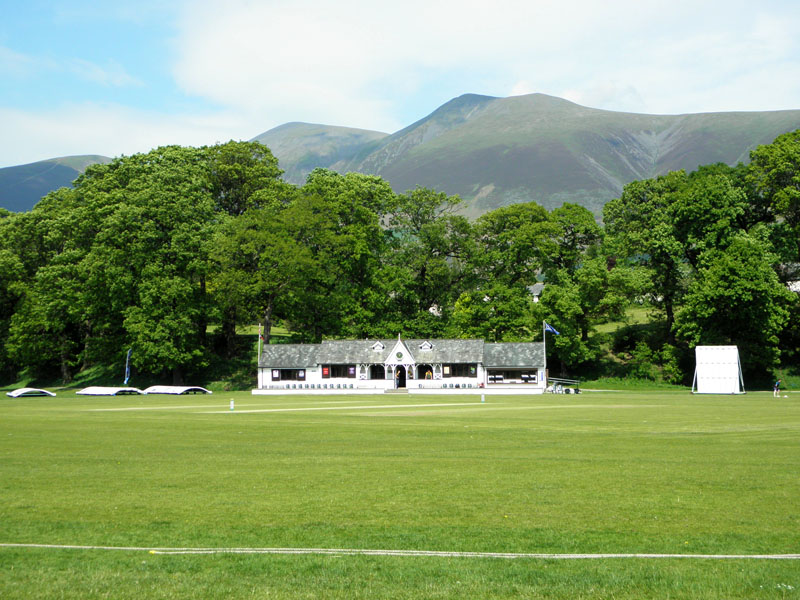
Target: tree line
pixel 168 252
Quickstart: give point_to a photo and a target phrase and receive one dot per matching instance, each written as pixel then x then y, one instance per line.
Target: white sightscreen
pixel 718 370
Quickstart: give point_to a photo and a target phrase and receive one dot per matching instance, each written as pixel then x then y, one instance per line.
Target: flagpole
pixel 258 360
pixel 544 341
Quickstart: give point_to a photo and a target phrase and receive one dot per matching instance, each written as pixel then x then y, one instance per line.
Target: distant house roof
pixel 421 351
pixel 536 289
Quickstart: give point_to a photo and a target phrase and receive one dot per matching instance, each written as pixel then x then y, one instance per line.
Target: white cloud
pixel 107 130
pixel 113 74
pixel 19 65
pixel 381 66
pixel 606 94
pixel 356 63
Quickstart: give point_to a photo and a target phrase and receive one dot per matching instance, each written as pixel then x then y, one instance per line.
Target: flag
pixel 548 327
pixel 128 366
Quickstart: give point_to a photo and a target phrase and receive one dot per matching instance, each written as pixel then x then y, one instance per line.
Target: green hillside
pixel 491 151
pixel 302 147
pixel 499 151
pixel 21 187
pixel 541 148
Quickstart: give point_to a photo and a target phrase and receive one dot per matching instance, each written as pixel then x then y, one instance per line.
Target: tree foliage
pixel 167 252
pixel 736 299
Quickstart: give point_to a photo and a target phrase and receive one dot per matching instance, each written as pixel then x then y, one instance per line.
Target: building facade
pixel 413 365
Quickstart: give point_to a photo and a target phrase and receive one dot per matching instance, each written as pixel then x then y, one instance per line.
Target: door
pixel 400 377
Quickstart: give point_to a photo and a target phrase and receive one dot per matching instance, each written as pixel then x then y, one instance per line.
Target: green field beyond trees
pixel 623 472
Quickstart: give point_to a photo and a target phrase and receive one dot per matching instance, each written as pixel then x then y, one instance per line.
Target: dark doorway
pixel 424 372
pixel 400 377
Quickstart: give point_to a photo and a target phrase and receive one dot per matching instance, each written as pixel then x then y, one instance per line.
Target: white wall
pixel 314 376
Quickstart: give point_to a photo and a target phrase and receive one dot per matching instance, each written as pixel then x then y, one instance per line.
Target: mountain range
pixel 497 151
pixel 21 187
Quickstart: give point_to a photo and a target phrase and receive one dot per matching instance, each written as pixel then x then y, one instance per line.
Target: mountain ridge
pixel 547 149
pixel 22 186
pixel 492 151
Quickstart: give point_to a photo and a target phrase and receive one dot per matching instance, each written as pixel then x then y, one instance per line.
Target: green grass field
pixel 623 472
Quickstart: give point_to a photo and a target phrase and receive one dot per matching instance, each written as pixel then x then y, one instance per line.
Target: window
pixel 513 376
pixel 345 371
pixel 461 370
pixel 378 372
pixel 288 374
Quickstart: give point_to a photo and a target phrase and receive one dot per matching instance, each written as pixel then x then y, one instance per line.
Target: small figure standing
pixel 776 389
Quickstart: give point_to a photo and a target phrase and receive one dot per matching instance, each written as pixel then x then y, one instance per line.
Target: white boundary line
pixel 361 407
pixel 405 553
pixel 220 406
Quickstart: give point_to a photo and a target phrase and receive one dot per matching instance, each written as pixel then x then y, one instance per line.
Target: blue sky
pixel 112 78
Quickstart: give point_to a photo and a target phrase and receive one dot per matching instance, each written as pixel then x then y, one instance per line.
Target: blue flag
pixel 548 327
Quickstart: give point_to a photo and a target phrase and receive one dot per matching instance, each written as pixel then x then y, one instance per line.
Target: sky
pixel 119 77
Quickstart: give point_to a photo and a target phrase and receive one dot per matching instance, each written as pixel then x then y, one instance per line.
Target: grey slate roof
pixel 289 356
pixel 348 352
pixel 512 354
pixel 447 351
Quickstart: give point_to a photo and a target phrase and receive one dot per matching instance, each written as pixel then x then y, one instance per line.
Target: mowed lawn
pixel 622 472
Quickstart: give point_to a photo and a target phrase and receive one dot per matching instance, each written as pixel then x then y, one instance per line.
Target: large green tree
pixel 513 244
pixel 775 177
pixel 498 313
pixel 144 271
pixel 12 281
pixel 266 257
pixel 47 330
pixel 737 299
pixel 346 300
pixel 242 175
pixel 707 214
pixel 574 237
pixel 432 250
pixel 640 226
